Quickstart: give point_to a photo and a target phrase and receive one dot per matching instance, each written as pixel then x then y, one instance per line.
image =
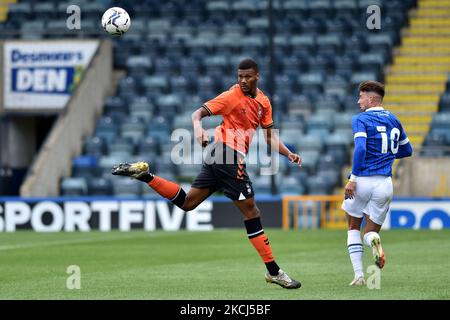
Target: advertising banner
pixel 417 214
pixel 54 215
pixel 43 74
pixel 105 214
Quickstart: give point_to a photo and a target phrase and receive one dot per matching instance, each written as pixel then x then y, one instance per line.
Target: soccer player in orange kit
pixel 243 107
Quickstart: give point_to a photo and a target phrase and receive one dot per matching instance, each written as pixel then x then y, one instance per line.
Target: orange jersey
pixel 241 117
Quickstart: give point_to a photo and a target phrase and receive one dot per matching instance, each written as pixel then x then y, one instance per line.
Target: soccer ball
pixel 116 21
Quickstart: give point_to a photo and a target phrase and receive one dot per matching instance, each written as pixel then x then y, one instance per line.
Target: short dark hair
pixel 372 86
pixel 248 63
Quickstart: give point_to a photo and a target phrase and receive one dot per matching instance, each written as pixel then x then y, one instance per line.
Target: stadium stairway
pixel 418 75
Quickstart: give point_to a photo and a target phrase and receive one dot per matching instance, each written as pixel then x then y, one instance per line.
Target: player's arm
pixel 404 151
pixel 274 141
pixel 404 147
pixel 200 134
pixel 359 155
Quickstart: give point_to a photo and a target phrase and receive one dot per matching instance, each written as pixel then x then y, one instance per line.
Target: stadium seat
pixel 124 187
pixel 100 187
pixel 329 175
pixel 133 128
pixel 168 105
pixel 94 146
pixel 310 160
pixel 291 186
pixel 319 121
pixel 312 83
pixel 441 120
pixel 73 187
pixel 106 129
pixel 304 43
pixel 121 147
pixel 318 185
pixel 139 65
pixel 444 103
pixel 309 143
pixel 262 185
pixel 84 167
pixel 343 120
pixel 141 107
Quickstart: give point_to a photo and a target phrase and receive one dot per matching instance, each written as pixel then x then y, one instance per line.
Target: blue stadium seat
pixel 262 185
pixel 441 120
pixel 158 84
pixel 133 129
pixel 123 187
pixel 300 105
pixel 94 146
pixel 330 175
pixel 329 43
pixel 304 43
pixel 318 185
pixel 169 104
pixel 74 187
pixel 291 186
pixel 139 65
pixel 106 129
pixel 85 167
pixel 328 161
pixel 444 103
pixel 328 101
pixel 318 121
pixel 311 83
pixel 343 120
pixel 310 160
pixel 100 187
pixel 141 107
pixel 309 143
pixel 338 88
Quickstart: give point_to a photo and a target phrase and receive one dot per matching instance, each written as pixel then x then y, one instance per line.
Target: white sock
pixel 355 250
pixel 368 237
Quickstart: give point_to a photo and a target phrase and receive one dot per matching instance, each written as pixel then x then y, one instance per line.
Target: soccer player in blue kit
pixel 379 140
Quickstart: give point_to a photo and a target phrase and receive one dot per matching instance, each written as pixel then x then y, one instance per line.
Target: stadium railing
pixel 313 212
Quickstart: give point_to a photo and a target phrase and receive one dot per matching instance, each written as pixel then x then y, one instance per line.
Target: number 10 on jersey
pixel 394 137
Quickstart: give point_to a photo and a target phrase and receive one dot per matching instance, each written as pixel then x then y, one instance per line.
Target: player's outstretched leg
pixel 167 189
pixel 140 171
pixel 373 240
pixel 259 240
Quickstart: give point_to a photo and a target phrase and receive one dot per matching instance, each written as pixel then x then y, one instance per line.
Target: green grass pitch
pixel 216 265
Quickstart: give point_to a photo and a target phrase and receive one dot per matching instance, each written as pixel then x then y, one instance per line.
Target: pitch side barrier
pixel 153 213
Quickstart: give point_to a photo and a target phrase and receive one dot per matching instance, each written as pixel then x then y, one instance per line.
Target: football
pixel 116 21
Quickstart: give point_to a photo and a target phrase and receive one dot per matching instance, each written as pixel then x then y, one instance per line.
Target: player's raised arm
pixel 273 139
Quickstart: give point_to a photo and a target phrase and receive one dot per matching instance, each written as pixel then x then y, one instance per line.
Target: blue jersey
pixel 383 135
